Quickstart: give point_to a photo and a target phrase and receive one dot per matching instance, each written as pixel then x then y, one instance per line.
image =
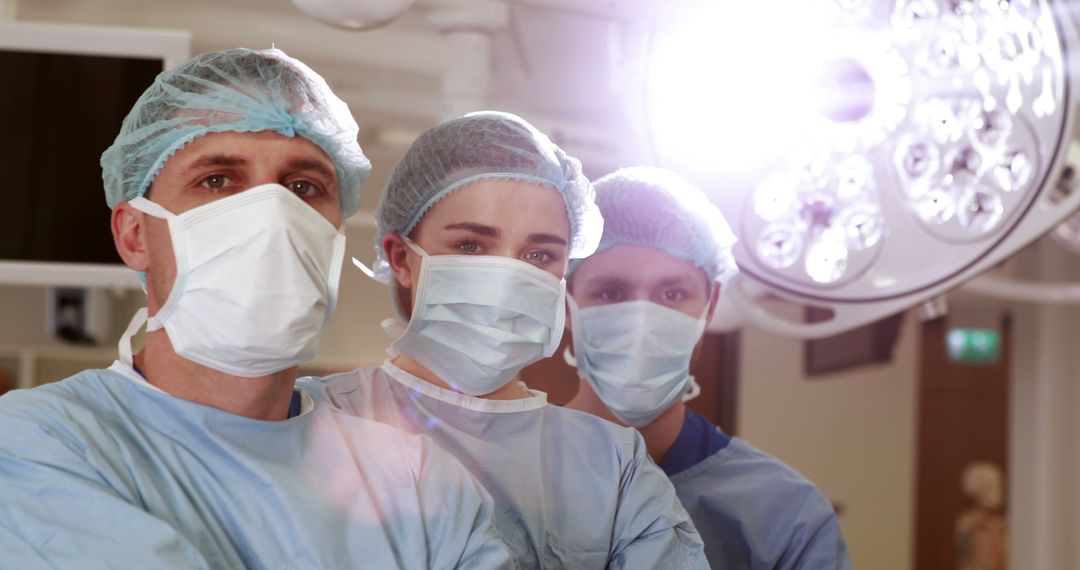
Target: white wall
pixel 852 434
pixel 353 338
pixel 1044 447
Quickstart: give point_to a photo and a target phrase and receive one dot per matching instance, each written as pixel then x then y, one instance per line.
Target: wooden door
pixel 962 434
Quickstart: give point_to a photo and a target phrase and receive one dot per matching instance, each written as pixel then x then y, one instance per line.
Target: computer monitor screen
pixel 58 112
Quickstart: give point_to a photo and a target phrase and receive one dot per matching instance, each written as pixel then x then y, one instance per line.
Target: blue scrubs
pixel 102 470
pixel 753 511
pixel 571 490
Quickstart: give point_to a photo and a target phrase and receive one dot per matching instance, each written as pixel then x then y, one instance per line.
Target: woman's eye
pixel 539 257
pixel 469 247
pixel 215 181
pixel 303 188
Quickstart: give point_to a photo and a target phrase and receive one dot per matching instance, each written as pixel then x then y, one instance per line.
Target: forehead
pixel 637 266
pixel 264 146
pixel 510 205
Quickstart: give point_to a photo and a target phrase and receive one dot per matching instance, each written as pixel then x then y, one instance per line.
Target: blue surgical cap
pixel 657 208
pixel 237 90
pixel 480 146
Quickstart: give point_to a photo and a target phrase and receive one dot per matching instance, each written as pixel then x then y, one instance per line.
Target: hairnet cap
pixel 480 146
pixel 657 208
pixel 237 90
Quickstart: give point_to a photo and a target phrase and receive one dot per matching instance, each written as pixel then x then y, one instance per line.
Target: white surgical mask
pixel 636 355
pixel 256 280
pixel 477 320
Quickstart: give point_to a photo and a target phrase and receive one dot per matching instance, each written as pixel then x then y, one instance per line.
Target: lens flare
pixel 848 119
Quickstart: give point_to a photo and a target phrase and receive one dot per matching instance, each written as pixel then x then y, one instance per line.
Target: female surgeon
pixel 474 232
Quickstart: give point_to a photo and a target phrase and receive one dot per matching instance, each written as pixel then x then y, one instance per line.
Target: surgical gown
pixel 752 511
pixel 103 470
pixel 571 490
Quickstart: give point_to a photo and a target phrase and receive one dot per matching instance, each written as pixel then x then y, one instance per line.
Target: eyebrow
pixel 491 231
pixel 215 160
pixel 607 282
pixel 671 281
pixel 481 229
pixel 312 164
pixel 546 238
pixel 235 160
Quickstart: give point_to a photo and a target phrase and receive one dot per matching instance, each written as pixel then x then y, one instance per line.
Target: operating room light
pixel 354 14
pixel 867 150
pixel 1068 233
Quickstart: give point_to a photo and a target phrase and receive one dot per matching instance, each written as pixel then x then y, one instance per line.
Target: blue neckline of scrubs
pixel 698 440
pixel 295 404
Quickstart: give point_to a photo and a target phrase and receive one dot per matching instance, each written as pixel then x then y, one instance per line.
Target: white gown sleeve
pixel 56 511
pixel 458 515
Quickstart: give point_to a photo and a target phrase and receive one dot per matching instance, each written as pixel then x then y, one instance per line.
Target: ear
pixel 129 236
pixel 397 255
pixel 713 300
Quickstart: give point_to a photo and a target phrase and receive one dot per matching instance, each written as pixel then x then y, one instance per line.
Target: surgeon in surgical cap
pixel 638 309
pixel 474 233
pixel 228 183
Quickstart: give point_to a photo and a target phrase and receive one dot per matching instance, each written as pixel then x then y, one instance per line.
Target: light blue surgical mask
pixel 477 320
pixel 635 355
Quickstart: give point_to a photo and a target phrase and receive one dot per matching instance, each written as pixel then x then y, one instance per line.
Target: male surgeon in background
pixel 229 182
pixel 638 309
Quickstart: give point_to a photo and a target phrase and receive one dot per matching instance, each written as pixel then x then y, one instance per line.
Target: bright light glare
pixel 916 162
pixel 1014 171
pixel 780 246
pixel 775 198
pixel 854 175
pixel 992 127
pixel 863 225
pixel 746 83
pixel 826 260
pixel 980 209
pixel 936 207
pixel 945 119
pixel 729 73
pixel 847 120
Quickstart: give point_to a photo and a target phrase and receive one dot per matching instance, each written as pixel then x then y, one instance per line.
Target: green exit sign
pixel 973 346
